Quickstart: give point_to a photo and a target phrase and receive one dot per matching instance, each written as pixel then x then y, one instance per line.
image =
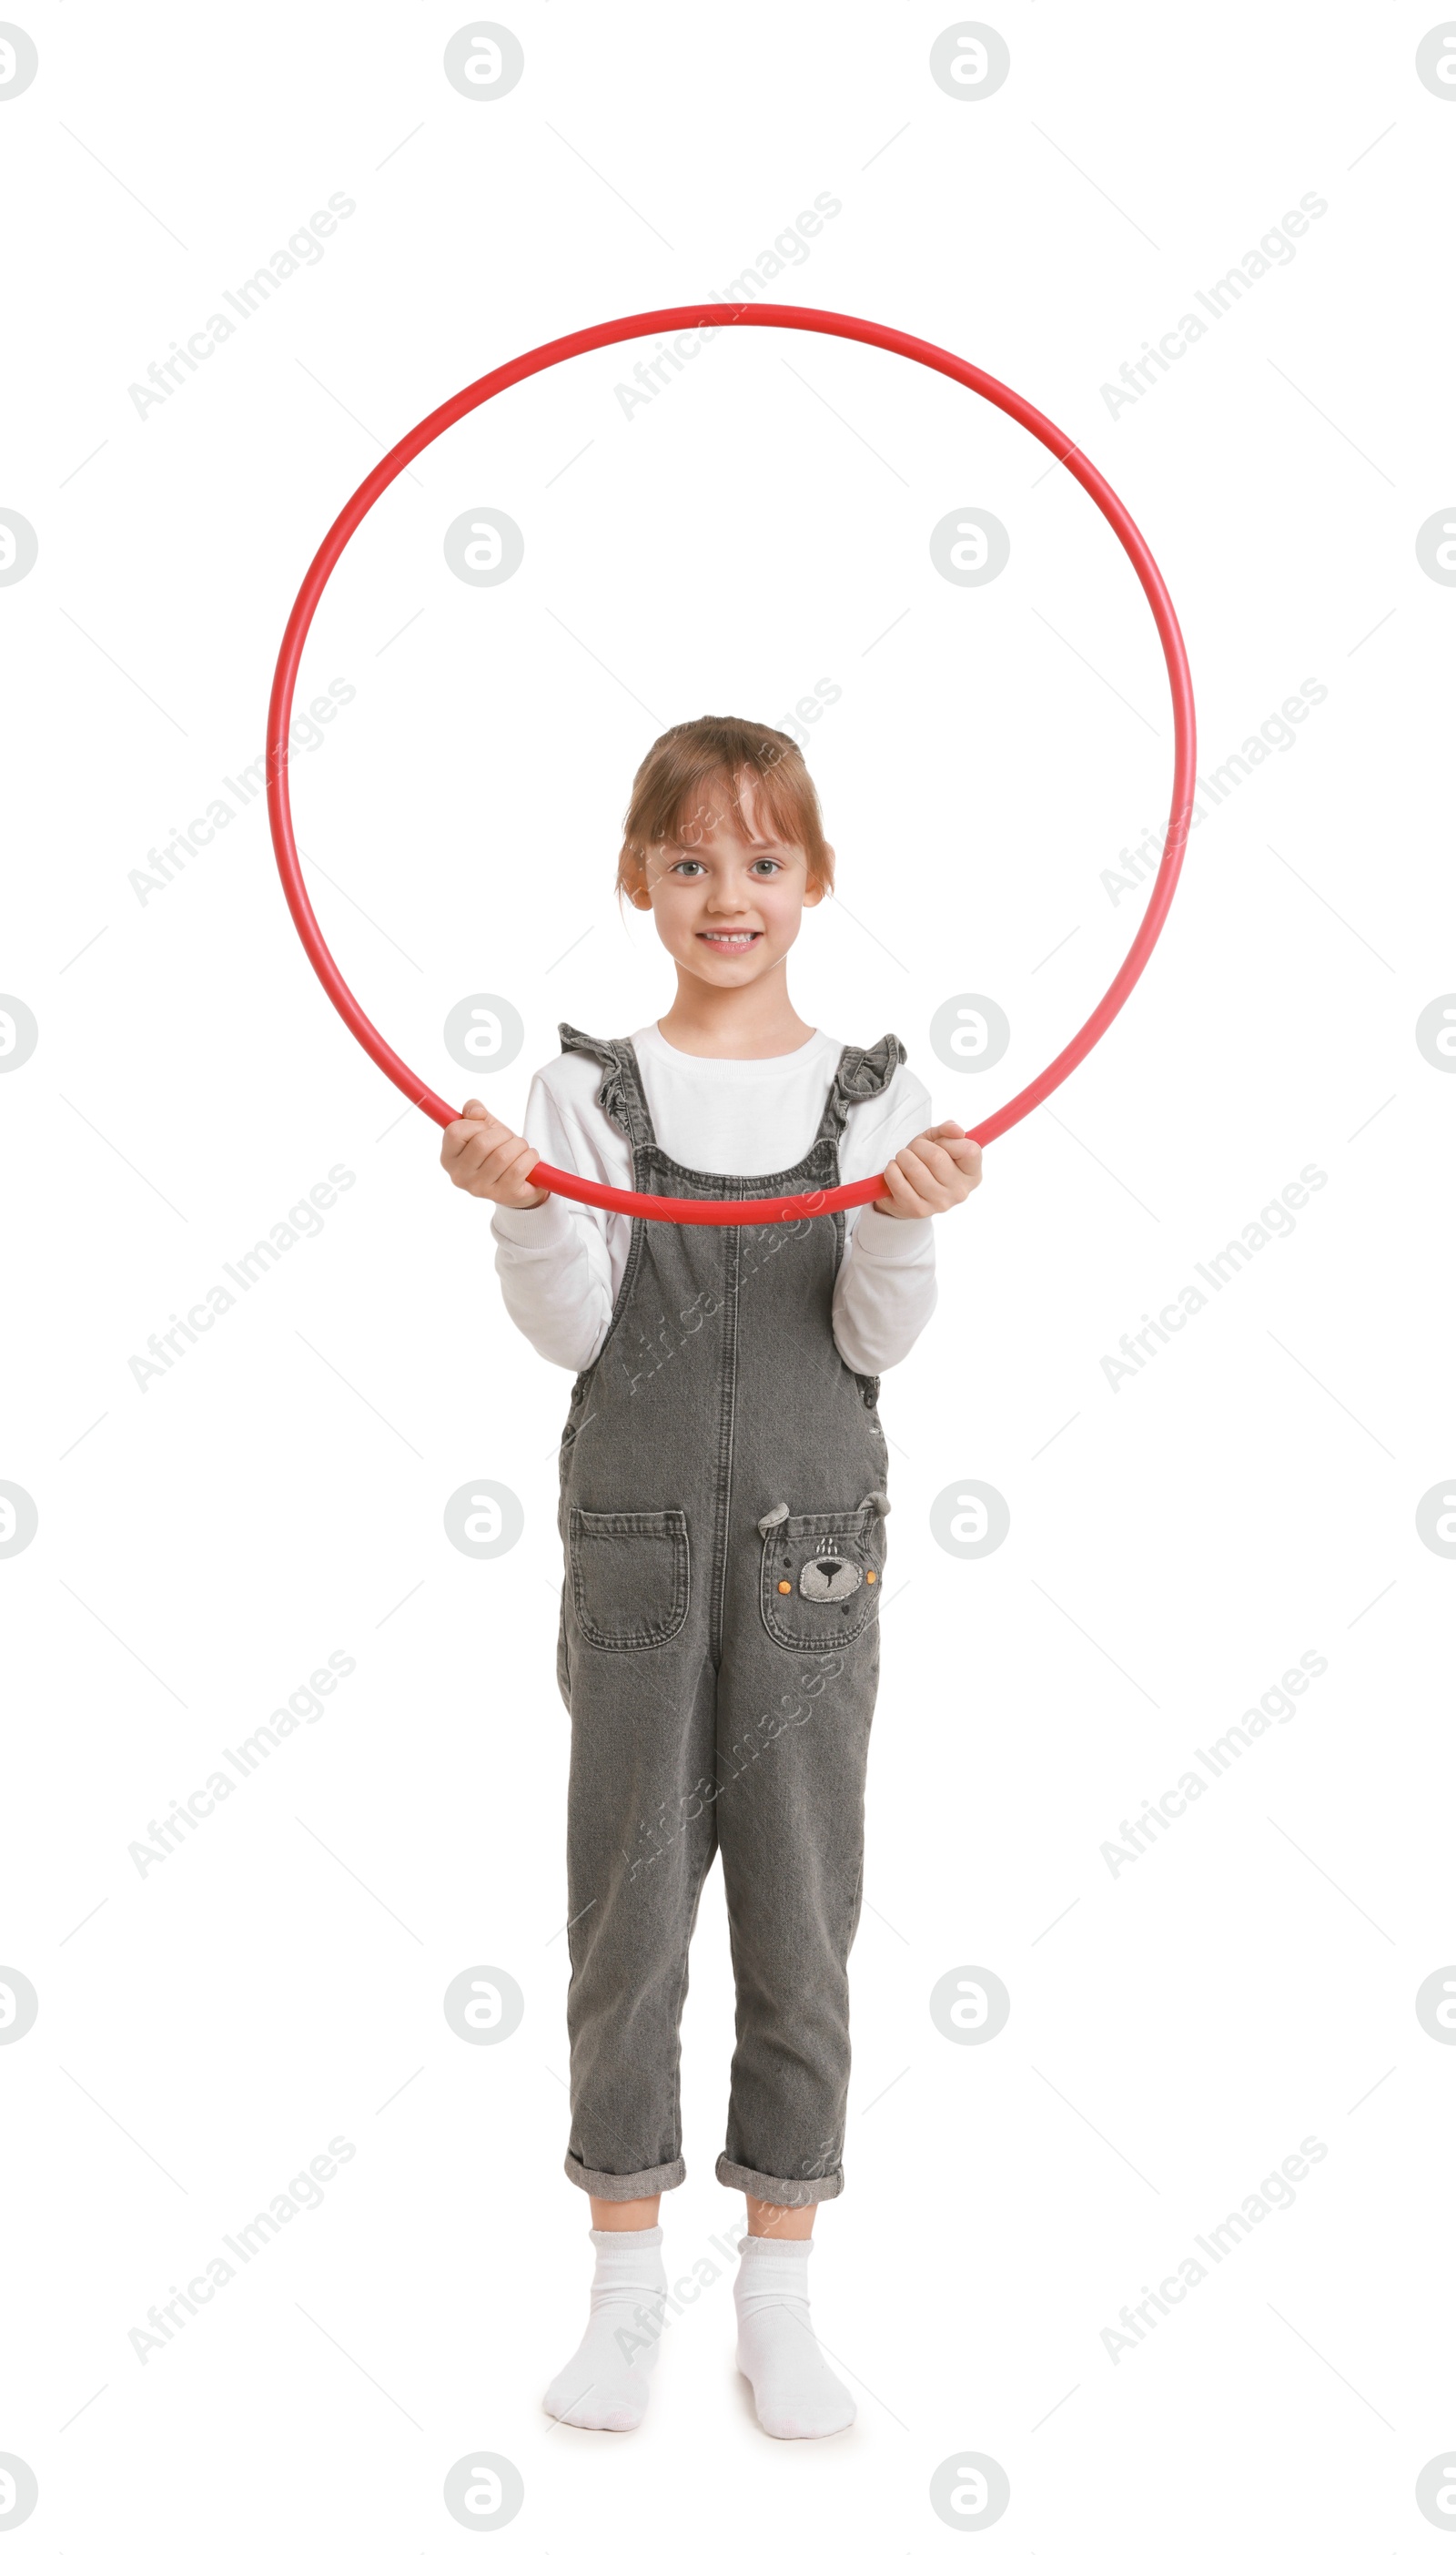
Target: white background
pixel 1175 1544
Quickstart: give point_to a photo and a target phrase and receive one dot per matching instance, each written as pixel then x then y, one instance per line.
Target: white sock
pixel 795 2392
pixel 603 2386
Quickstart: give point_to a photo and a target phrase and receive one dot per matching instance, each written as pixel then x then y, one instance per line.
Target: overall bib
pixel 722 1518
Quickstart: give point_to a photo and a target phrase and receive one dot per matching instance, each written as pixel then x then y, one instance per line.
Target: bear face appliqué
pixel 829 1577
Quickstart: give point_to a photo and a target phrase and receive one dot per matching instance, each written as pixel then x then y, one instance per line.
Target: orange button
pixel 870 1576
pixel 786 1587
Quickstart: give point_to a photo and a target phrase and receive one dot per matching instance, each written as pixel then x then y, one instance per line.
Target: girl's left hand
pixel 936 1170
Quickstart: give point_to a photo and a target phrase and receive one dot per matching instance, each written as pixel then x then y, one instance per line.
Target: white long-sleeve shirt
pixel 562 1264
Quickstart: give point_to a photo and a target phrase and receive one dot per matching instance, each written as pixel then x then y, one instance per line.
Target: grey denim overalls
pixel 722 1517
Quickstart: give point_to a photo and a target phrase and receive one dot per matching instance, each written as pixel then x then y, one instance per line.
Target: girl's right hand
pixel 485 1159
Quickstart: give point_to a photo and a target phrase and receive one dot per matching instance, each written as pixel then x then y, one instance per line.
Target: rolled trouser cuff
pixel 625 2186
pixel 774 2187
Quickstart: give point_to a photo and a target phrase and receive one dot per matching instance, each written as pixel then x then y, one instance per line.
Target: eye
pixel 768 866
pixel 680 868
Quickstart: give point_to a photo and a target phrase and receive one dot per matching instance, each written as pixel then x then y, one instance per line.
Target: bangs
pixel 690 765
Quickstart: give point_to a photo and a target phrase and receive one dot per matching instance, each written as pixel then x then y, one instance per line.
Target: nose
pixel 828 1567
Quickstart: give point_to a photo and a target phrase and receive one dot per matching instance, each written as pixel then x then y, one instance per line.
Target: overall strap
pixel 620 1092
pixel 863 1072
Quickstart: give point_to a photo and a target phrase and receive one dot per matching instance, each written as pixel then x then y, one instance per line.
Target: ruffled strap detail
pixel 863 1074
pixel 619 1093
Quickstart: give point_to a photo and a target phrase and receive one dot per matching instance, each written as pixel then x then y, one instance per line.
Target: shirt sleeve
pixel 553 1261
pixel 886 1292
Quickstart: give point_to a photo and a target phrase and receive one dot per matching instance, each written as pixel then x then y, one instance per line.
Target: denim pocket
pixel 822 1576
pixel 629 1576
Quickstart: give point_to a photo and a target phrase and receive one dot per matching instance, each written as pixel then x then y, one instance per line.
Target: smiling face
pixel 727 896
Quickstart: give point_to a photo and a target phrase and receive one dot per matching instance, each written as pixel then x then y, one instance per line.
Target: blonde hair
pixel 671 782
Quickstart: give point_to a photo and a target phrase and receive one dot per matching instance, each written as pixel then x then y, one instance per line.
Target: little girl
pixel 722 1515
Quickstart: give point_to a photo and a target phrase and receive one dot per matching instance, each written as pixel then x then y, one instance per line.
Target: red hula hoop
pixel 646 323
